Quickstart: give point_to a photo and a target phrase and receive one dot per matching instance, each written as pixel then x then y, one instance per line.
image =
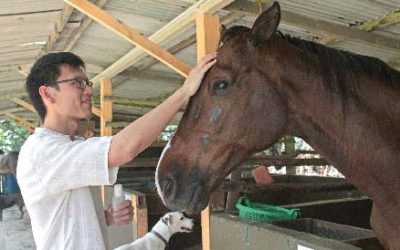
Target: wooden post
pixel 233 195
pixel 105 107
pixel 290 150
pixel 207 32
pixel 140 214
pixel 106 113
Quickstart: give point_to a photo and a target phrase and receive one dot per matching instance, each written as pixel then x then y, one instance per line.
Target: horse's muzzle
pixel 190 196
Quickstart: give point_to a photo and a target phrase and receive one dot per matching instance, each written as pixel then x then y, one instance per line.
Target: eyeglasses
pixel 80 82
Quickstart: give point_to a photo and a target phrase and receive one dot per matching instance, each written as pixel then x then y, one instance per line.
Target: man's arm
pixel 141 133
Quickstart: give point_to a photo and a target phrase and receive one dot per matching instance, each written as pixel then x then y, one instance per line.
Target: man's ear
pixel 46 94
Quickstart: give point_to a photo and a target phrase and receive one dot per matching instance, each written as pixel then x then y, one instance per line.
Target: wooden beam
pixel 140 214
pixel 86 21
pixel 379 23
pixel 130 35
pixel 105 115
pixel 329 40
pixel 13 67
pixel 319 26
pixel 96 111
pixel 9 95
pixel 11 110
pixel 149 61
pixel 133 102
pixel 116 81
pixel 395 63
pixel 106 107
pixel 289 143
pixel 24 69
pixel 20 121
pixel 284 161
pixel 179 24
pixel 207 34
pixel 93 68
pixel 24 104
pixel 60 24
pixel 233 195
pixel 207 30
pixel 111 124
pixel 154 76
pixel 141 103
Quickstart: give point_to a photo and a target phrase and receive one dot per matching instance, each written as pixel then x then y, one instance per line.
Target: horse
pixel 8 163
pixel 266 85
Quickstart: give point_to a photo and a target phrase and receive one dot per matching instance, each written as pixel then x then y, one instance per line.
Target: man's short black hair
pixel 45 71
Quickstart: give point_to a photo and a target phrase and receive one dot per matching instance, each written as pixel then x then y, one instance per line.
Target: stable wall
pixel 228 232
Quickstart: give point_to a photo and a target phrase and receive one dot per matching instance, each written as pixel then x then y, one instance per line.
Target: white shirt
pixel 59 180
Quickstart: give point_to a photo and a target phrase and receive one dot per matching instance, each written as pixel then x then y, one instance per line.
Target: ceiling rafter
pixel 12 110
pixel 130 35
pixel 7 96
pixel 149 61
pixel 179 24
pixel 12 68
pixel 379 23
pixel 329 40
pixel 319 26
pixel 61 23
pixel 24 104
pixel 59 26
pixel 22 122
pixel 86 21
pixel 30 107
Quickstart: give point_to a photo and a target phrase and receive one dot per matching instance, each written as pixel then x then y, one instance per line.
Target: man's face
pixel 71 100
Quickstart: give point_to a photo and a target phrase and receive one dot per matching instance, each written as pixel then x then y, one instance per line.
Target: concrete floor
pixel 15 233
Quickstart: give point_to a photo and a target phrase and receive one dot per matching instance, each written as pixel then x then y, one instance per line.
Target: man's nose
pixel 88 90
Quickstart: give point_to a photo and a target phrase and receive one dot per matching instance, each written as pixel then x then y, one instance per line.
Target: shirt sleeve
pixel 62 164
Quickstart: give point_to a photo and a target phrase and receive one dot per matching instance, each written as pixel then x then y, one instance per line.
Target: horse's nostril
pixel 168 185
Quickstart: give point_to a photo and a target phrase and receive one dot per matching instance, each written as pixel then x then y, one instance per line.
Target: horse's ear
pixel 222 32
pixel 266 24
pixel 222 29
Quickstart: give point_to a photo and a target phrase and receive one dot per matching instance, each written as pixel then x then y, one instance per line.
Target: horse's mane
pixel 339 68
pixel 346 65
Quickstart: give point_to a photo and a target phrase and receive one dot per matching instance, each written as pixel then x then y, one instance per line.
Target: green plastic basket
pixel 257 212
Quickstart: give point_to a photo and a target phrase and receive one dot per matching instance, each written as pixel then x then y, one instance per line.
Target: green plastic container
pixel 258 212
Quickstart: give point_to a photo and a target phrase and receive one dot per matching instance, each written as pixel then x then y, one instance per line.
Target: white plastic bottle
pixel 118 196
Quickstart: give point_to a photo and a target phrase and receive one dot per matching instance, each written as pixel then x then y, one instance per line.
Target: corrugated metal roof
pixel 27 25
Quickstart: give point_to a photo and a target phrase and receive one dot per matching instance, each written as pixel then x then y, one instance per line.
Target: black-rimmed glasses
pixel 80 82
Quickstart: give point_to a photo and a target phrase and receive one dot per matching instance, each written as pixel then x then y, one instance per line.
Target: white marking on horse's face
pixel 158 164
pixel 205 139
pixel 215 114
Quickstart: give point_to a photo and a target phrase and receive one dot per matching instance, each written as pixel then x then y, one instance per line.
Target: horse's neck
pixel 353 142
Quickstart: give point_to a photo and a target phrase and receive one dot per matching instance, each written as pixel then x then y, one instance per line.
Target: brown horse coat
pixel 266 85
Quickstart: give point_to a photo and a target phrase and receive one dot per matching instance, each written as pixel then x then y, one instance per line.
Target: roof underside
pixel 32 28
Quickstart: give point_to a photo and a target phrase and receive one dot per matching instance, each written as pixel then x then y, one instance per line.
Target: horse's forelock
pixel 232 32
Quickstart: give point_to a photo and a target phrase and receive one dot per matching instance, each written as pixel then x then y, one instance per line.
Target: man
pixel 58 172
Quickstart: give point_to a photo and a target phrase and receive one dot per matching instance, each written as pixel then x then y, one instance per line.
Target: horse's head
pixel 235 113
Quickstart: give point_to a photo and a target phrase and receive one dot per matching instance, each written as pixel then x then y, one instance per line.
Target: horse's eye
pixel 219 87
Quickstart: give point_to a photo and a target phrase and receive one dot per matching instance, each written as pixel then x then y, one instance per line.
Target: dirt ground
pixel 16 234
